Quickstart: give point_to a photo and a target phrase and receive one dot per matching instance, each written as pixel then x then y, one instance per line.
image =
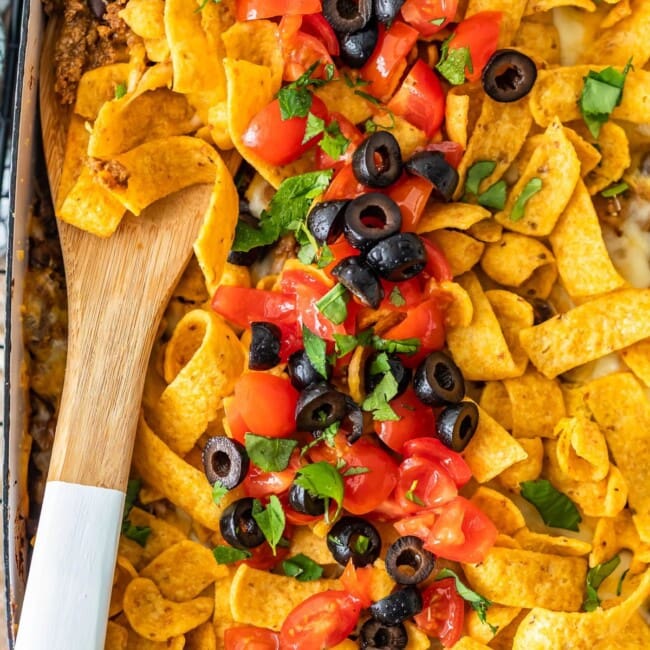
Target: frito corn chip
pixel 553 544
pixel 537 405
pixel 342 98
pixel 116 637
pixel 136 642
pixel 539 40
pixel 461 250
pixel 637 359
pixel 498 135
pixel 512 12
pixel 634 635
pixel 305 541
pixel 505 515
pixel 157 619
pixel 497 616
pixel 581 449
pixel 487 231
pixel 496 402
pixel 528 469
pixel 98 86
pixel 491 450
pixel 74 159
pixel 123 124
pixel 520 578
pixel 538 6
pixel 451 215
pixel 460 311
pixel 184 570
pixel 615 158
pixel 409 137
pixel 547 630
pixel 157 49
pixel 611 535
pixel 202 637
pixel 480 349
pixel 145 17
pixel 124 573
pixel 467 643
pixel 577 235
pixel 456 117
pixel 569 340
pixel 417 640
pixel 588 155
pixel 175 163
pixel 253 596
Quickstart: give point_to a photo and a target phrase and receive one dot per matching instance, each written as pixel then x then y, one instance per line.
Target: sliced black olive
pixel 433 166
pixel 408 562
pixel 377 636
pixel 238 527
pixel 439 381
pixel 347 16
pixel 301 501
pixel 397 607
pixel 325 221
pixel 301 372
pixel 98 8
pixel 359 280
pixel 387 10
pixel 225 460
pixel 356 539
pixel 377 161
pixel 319 405
pixel 370 218
pixel 398 257
pixel 400 372
pixel 247 258
pixel 354 420
pixel 456 425
pixel 508 76
pixel 264 352
pixel 542 310
pixel 357 47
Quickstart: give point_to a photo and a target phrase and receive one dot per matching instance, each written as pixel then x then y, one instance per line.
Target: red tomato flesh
pixel 249 637
pixel 480 33
pixel 256 9
pixel 443 612
pixel 429 16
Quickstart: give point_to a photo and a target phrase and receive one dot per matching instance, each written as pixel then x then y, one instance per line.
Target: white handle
pixel 71 574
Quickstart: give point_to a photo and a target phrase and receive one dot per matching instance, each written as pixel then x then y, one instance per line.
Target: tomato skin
pixel 316 25
pixel 250 637
pixel 421 13
pixel 420 99
pixel 350 131
pixel 443 612
pixel 358 581
pixel 411 193
pixel 321 621
pixel 432 448
pixel 256 9
pixel 429 481
pixel 452 151
pixel 243 306
pixel 345 185
pixel 266 403
pixel 279 141
pixel 259 483
pixel 437 265
pixel 480 33
pixel 424 322
pixel 238 428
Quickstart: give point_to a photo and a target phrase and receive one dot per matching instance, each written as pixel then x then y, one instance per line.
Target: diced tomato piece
pixel 429 16
pixel 432 448
pixel 358 581
pixel 437 265
pixel 316 25
pixel 423 483
pixel 452 151
pixel 424 322
pixel 409 290
pixel 259 483
pixel 250 637
pixel 420 99
pixel 411 193
pixel 340 249
pixel 419 524
pixel 263 557
pixel 243 306
pixel 345 185
pixel 256 9
pixel 238 428
pixel 443 612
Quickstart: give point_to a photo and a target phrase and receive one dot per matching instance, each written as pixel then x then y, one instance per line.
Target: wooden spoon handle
pixel 74 558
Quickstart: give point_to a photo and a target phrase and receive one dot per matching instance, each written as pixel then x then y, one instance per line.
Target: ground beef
pixel 111 173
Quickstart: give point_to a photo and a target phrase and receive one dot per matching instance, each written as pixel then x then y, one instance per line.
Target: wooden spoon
pixel 117 290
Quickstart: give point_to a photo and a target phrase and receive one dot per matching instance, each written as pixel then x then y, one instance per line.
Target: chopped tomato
pixel 432 448
pixel 437 265
pixel 243 306
pixel 345 185
pixel 423 483
pixel 266 403
pixel 238 428
pixel 263 558
pixel 429 16
pixel 452 151
pixel 443 612
pixel 420 99
pixel 424 322
pixel 278 141
pixel 358 581
pixel 256 9
pixel 409 290
pixel 340 249
pixel 250 637
pixel 259 483
pixel 415 420
pixel 419 524
pixel 388 61
pixel 411 193
pixel 301 52
pixel 321 621
pixel 316 25
pixel 480 33
pixel 349 131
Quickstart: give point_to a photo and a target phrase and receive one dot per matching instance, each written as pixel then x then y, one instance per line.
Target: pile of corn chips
pixel 565 400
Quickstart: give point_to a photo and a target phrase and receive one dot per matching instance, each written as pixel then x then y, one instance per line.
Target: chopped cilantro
pixel 302 568
pixel 453 62
pixel 478 603
pixel 595 577
pixel 368 97
pixel 120 91
pixel 315 126
pixel 555 507
pixel 396 298
pixel 411 496
pixel 325 256
pixel 315 348
pixel 323 481
pixel 438 21
pixel 396 346
pixel 333 142
pixel 476 173
pixel 370 126
pixel 204 4
pixel 355 471
pixel 334 304
pixel 345 343
pixel 271 520
pixel 138 534
pixel 295 98
pixel 494 197
pixel 327 436
pixel 615 190
pixel 361 544
pixel 269 454
pixel 228 554
pixel 218 492
pixel 354 83
pixel 533 186
pixel 378 401
pixel 619 586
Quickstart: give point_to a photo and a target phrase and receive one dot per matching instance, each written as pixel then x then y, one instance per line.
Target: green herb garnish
pixel 334 304
pixel 396 298
pixel 138 534
pixel 316 350
pixel 120 91
pixel 271 520
pixel 269 454
pixel 494 197
pixel 228 554
pixel 555 507
pixel 302 568
pixel 218 492
pixel 453 62
pixel 478 603
pixel 322 481
pixel 533 186
pixel 615 190
pixel 595 577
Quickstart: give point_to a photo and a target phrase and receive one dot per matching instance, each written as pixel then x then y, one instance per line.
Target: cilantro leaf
pixel 294 102
pixel 334 304
pixel 368 97
pixel 138 534
pixel 361 544
pixel 478 603
pixel 595 577
pixel 344 343
pixel 218 492
pixel 615 190
pixel 334 143
pixel 204 4
pixel 396 298
pixel 120 90
pixel 286 213
pixel 327 436
pixel 619 586
pixel 396 346
pixel 325 256
pixel 377 401
pixel 411 496
pixel 453 62
pixel 271 520
pixel 302 568
pixel 494 197
pixel 229 554
pixel 269 454
pixel 315 126
pixel 132 490
pixel 438 21
pixel 476 173
pixel 533 186
pixel 315 348
pixel 323 481
pixel 555 507
pixel 355 471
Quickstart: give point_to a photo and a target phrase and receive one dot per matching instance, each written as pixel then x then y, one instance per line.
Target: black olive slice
pixel 301 372
pixel 433 166
pixel 508 76
pixel 399 257
pixel 347 16
pixel 264 351
pixel 318 406
pixel 325 221
pixel 357 47
pixel 542 310
pixel 377 161
pixel 356 539
pixel 387 10
pixel 456 425
pixel 370 218
pixel 301 501
pixel 247 258
pixel 439 381
pixel 225 460
pixel 353 421
pixel 238 527
pixel 400 372
pixel 359 280
pixel 408 562
pixel 397 607
pixel 377 636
